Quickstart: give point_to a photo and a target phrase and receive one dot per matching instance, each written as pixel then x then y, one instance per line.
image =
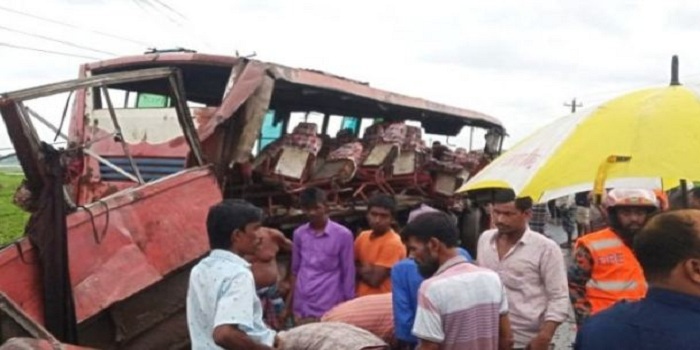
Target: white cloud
pixel 519 61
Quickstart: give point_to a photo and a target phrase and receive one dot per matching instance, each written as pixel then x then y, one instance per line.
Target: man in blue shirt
pixel 668 248
pixel 223 310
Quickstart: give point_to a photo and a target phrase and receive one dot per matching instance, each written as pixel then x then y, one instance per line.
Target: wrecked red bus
pixel 153 140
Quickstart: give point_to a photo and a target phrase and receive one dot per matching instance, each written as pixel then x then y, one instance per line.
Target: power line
pixel 20 47
pixel 139 4
pixel 158 6
pixel 140 43
pixel 197 35
pixel 57 40
pixel 144 5
pixel 171 9
pixel 158 11
pixel 193 34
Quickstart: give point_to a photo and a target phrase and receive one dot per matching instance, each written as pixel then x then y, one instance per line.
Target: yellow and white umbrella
pixel 648 138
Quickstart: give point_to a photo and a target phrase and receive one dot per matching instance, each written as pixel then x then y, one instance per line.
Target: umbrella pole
pixel 674 71
pixel 684 194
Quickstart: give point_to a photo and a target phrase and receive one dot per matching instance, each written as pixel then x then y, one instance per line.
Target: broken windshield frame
pixel 18 118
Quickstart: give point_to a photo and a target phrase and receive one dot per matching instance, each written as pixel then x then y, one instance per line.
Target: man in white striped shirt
pixel 460 306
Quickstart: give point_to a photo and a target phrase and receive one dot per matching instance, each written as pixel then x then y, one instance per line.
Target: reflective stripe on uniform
pixel 604 244
pixel 612 286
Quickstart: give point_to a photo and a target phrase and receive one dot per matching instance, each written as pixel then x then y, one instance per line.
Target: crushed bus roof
pixel 206 76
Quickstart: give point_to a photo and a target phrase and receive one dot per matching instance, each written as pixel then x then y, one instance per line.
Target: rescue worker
pixel 668 249
pixel 604 269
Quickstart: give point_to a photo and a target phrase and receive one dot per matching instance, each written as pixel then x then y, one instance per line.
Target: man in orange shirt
pixel 372 313
pixel 378 249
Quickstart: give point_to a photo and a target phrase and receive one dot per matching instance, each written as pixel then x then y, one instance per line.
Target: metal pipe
pixel 120 135
pixel 471 138
pixel 324 125
pixel 81 83
pixel 500 144
pixel 184 116
pixel 126 99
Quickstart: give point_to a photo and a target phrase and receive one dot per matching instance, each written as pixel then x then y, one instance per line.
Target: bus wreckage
pixel 117 216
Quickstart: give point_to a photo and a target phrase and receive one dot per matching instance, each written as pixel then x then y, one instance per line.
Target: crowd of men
pixel 635 284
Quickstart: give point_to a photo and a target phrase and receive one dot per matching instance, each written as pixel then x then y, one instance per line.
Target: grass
pixel 12 218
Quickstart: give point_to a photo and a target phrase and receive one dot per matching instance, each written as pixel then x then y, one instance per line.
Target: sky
pixel 514 60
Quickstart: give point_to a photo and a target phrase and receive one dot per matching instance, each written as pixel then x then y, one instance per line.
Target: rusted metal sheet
pixel 78 118
pixel 251 120
pixel 156 317
pixel 245 79
pixel 122 244
pixel 19 331
pixel 16 323
pixel 169 58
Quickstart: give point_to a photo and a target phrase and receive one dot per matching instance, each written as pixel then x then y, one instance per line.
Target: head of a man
pixel 629 209
pixel 313 203
pixel 438 150
pixel 380 213
pixel 344 136
pixel 668 249
pixel 510 214
pixel 694 198
pixel 429 238
pixel 233 225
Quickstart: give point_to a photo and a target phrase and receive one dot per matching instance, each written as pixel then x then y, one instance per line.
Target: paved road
pixel 566 333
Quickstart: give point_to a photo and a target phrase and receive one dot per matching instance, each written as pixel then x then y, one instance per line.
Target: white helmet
pixel 622 197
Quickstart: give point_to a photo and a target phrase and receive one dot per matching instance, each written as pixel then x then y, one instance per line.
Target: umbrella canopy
pixel 657 128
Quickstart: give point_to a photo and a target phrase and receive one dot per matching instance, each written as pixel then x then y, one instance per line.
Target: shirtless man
pixel 266 272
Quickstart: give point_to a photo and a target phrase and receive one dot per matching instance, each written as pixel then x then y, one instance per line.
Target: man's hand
pixel 279 344
pixel 539 343
pixel 283 288
pixel 360 268
pixel 284 316
pixel 427 345
pixel 282 241
pixel 372 275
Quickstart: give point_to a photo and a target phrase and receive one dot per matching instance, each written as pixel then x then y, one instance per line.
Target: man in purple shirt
pixel 323 262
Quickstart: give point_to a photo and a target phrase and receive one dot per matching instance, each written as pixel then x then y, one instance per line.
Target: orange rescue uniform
pixel 616 273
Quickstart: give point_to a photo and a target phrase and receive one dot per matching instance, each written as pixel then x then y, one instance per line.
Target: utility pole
pixel 573 105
